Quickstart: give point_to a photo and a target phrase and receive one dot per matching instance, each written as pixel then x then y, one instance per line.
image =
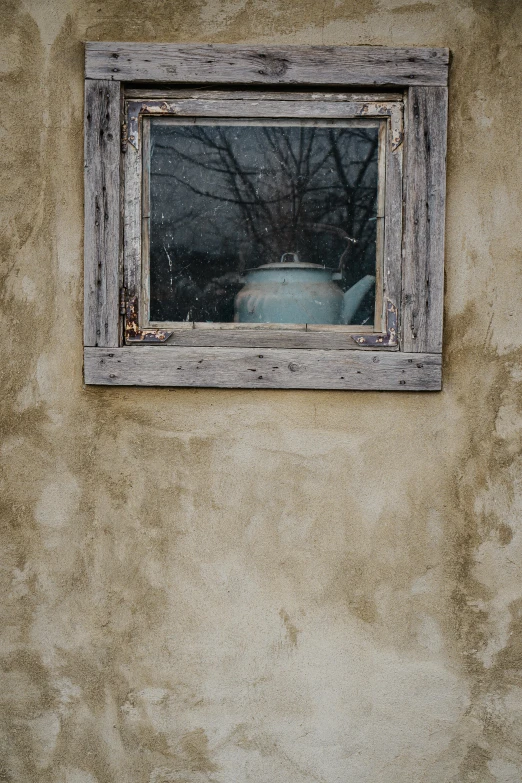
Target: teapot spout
pixel 354 296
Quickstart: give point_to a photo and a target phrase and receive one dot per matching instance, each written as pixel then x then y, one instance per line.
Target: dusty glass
pixel 263 221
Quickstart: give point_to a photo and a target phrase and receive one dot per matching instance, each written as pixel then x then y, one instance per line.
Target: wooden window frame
pixel 386 111
pixel 123 83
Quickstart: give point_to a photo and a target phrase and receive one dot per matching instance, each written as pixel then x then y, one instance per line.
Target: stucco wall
pixel 261 586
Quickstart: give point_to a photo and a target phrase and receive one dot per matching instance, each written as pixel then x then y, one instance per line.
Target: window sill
pixel 247 368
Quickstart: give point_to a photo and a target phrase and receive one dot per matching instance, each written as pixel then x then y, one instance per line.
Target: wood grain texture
pixel 203 93
pixel 133 221
pixel 425 190
pixel 305 65
pixel 392 282
pixel 264 338
pixel 102 213
pixel 195 107
pixel 257 369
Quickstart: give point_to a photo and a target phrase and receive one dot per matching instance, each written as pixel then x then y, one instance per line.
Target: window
pixel 264 212
pixel 277 207
pixel 259 218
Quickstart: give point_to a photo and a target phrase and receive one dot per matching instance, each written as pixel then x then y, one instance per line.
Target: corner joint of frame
pixel 389 339
pixel 132 332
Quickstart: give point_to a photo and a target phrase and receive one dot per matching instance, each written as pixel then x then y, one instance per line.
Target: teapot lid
pixel 293 264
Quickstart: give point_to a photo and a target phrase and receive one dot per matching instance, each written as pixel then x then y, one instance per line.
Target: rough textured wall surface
pixel 260 586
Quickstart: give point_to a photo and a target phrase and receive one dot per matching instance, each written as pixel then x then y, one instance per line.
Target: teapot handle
pixel 295 258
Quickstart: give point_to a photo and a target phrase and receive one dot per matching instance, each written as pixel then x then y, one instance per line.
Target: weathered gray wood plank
pixel 102 212
pixel 255 108
pixel 264 338
pixel 132 226
pixel 202 93
pixel 392 282
pixel 425 188
pixel 258 369
pixel 239 64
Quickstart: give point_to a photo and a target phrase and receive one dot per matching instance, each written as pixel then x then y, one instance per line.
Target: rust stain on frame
pixel 133 333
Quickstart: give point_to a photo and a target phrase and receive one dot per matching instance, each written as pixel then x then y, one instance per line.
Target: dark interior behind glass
pixel 228 196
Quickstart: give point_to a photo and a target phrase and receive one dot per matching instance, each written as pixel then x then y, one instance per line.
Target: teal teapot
pixel 293 292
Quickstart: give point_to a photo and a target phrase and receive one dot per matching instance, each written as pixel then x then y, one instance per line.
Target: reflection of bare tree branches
pixel 239 201
pixel 275 209
pixel 334 230
pixel 246 194
pixel 195 161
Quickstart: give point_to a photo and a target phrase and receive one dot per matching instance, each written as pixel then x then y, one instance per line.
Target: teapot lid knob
pixel 295 258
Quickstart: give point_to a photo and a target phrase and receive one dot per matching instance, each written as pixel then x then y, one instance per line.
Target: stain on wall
pixel 214 586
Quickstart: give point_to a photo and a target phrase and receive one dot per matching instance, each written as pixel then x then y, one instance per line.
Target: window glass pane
pixel 229 198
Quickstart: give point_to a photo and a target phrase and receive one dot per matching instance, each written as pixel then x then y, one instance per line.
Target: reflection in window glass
pixel 227 197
